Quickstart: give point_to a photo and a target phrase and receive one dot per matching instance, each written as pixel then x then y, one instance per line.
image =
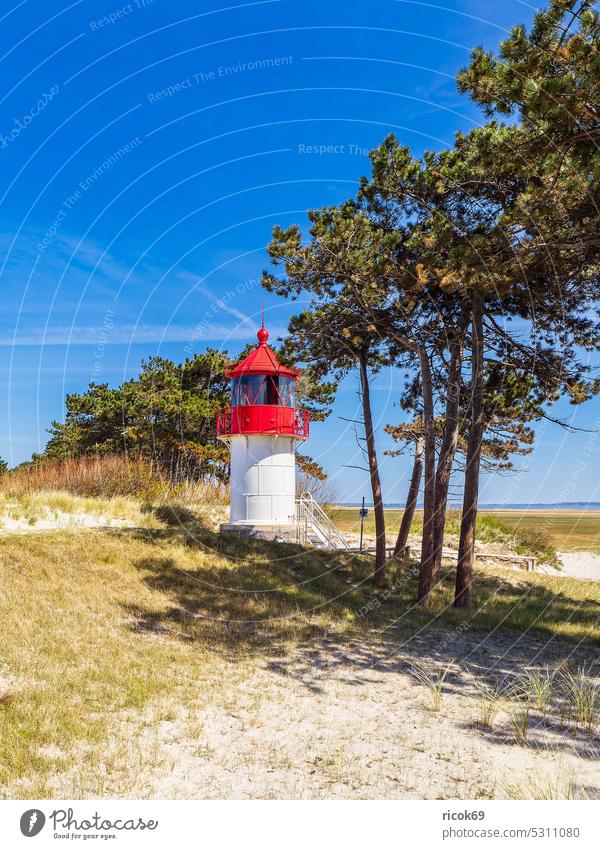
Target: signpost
pixel 362 513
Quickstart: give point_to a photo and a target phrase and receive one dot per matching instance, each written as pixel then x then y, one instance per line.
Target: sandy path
pixel 348 721
pixel 584 565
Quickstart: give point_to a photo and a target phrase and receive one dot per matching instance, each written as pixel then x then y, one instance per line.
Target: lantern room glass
pixel 285 388
pixel 253 389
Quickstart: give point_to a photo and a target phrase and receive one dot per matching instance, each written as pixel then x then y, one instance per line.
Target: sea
pixel 537 505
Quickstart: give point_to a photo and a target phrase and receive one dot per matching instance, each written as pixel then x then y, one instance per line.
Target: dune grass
pixel 59 509
pixel 491 528
pixel 55 505
pixel 93 630
pixel 108 477
pixel 567 530
pixel 108 489
pixel 544 786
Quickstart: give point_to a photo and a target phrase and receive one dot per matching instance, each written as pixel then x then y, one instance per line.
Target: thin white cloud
pixel 131 334
pixel 196 281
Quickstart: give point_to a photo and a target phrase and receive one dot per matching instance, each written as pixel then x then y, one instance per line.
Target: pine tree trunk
pixel 426 567
pixel 466 546
pixel 411 498
pixel 374 473
pixel 447 452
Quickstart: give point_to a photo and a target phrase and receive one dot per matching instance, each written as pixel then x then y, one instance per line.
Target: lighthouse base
pixel 263 480
pixel 275 533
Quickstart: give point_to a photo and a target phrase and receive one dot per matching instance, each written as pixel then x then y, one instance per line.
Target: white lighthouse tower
pixel 263 428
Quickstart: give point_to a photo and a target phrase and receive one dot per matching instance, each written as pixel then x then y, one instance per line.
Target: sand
pixel 341 720
pixel 59 521
pixel 584 565
pixel 347 720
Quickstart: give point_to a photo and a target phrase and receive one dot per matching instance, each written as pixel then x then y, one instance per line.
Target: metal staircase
pixel 314 527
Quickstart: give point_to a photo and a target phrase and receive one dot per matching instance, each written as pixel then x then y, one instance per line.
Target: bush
pixel 523 540
pixel 538 543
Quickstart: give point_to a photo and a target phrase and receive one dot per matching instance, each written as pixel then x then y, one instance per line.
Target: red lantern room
pixel 262 397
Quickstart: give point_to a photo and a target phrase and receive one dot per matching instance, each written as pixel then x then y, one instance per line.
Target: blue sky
pixel 147 150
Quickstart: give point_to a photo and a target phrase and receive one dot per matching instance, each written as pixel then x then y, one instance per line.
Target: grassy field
pixel 567 531
pixel 98 625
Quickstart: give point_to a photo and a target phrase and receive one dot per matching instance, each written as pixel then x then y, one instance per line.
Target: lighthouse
pixel 263 428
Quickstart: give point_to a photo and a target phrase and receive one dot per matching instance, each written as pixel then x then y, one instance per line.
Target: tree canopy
pixel 168 414
pixel 475 268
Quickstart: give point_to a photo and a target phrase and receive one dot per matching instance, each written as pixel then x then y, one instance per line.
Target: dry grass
pixel 543 785
pixel 92 632
pixel 110 490
pixel 107 477
pixel 73 661
pixel 121 625
pixel 62 507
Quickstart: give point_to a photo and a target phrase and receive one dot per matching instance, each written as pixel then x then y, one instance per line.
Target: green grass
pixel 98 625
pixel 489 527
pixel 525 538
pixel 577 531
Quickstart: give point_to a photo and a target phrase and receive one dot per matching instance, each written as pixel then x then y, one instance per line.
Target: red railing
pixel 264 418
pixel 302 423
pixel 223 422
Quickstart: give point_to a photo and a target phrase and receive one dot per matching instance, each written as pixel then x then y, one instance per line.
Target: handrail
pixel 288 421
pixel 309 512
pixel 529 560
pixel 223 422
